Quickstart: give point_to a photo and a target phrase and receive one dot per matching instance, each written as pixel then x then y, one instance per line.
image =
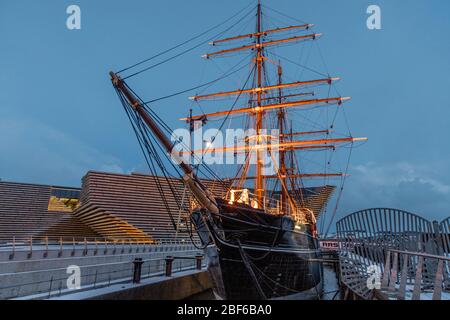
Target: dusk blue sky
pixel 60 117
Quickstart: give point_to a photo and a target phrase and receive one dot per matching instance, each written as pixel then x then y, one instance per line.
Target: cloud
pixel 417 188
pixel 113 168
pixel 398 173
pixel 31 151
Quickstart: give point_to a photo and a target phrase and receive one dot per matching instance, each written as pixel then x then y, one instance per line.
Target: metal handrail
pixel 158 271
pixel 30 245
pixel 88 240
pixel 422 254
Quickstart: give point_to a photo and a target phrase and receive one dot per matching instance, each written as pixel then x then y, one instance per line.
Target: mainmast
pixel 281 114
pixel 259 183
pixel 264 100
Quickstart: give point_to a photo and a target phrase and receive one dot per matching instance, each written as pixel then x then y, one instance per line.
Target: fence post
pixel 85 247
pixel 11 256
pixel 403 277
pixel 60 247
pixel 393 283
pixel 418 280
pixel 46 247
pixel 438 281
pixel 447 276
pixel 73 247
pixel 387 271
pixel 137 270
pixel 95 279
pixel 60 287
pixel 31 248
pixel 169 262
pixel 50 289
pixel 96 247
pixel 198 260
pixel 106 247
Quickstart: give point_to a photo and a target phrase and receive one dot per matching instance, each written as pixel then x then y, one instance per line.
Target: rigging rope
pixel 226 75
pixel 170 132
pixel 250 271
pixel 234 105
pixel 146 144
pixel 185 42
pixel 297 64
pixel 187 50
pixel 147 140
pixel 283 14
pixel 340 194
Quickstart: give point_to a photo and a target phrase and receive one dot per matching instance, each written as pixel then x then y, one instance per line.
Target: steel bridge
pixel 394 254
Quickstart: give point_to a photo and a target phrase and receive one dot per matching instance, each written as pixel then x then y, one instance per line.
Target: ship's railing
pixel 244 196
pixel 271 205
pixel 415 276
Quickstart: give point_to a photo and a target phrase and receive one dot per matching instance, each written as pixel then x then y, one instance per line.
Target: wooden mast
pixel 261 103
pixel 259 184
pixel 256 108
pixel 264 44
pixel 268 88
pixel 287 144
pixel 264 33
pixel 259 108
pixel 282 153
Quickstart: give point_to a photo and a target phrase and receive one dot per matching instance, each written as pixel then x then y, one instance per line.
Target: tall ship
pixel 257 222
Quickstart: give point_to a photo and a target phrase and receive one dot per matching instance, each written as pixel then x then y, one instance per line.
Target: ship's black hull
pixel 255 256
